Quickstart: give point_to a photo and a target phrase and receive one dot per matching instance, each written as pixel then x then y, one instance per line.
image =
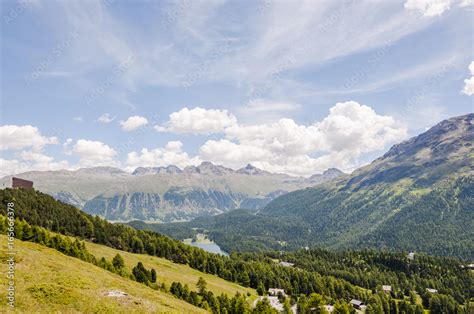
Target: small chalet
pixel 286 264
pixel 411 255
pixel 275 292
pixel 386 288
pixel 357 304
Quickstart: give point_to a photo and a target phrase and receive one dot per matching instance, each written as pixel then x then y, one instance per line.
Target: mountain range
pixel 166 194
pixel 419 196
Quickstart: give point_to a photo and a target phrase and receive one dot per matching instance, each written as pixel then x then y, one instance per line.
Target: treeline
pixel 251 270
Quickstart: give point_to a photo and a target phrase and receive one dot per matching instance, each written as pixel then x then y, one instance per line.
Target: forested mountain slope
pixel 419 196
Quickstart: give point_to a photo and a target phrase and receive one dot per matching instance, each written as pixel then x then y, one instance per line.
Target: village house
pixel 411 255
pixel 387 288
pixel 431 290
pixel 357 304
pixel 274 292
pixel 286 264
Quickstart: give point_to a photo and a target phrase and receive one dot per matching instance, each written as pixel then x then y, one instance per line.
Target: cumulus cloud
pixel 428 8
pixel 30 161
pixel 14 137
pixel 94 153
pixel 133 123
pixel 469 83
pixel 171 154
pixel 198 121
pixel 105 118
pixel 358 129
pixel 350 130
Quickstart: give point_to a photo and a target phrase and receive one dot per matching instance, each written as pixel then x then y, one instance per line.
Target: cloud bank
pixel 347 133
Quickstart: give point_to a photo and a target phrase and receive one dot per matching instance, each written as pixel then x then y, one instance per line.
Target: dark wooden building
pixel 21 183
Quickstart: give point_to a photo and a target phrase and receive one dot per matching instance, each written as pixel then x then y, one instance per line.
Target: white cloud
pixel 428 8
pixel 78 119
pixel 105 118
pixel 358 129
pixel 30 161
pixel 466 3
pixel 94 153
pixel 349 131
pixel 10 167
pixel 198 121
pixel 469 83
pixel 265 106
pixel 16 137
pixel 171 154
pixel 133 123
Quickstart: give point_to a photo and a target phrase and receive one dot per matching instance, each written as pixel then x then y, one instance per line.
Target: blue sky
pixel 289 86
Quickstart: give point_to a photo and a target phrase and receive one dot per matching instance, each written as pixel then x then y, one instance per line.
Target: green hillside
pixel 169 272
pixel 48 281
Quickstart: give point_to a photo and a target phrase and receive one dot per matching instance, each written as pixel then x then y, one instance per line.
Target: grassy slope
pixel 168 271
pixel 48 281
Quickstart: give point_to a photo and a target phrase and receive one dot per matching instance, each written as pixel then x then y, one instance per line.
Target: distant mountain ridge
pixel 167 193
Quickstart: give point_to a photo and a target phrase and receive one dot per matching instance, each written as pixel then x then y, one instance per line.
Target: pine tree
pixel 261 288
pixel 140 273
pixel 153 275
pixel 201 285
pixel 118 262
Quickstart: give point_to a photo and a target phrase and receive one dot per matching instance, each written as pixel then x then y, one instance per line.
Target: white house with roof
pixel 357 304
pixel 275 291
pixel 387 288
pixel 286 264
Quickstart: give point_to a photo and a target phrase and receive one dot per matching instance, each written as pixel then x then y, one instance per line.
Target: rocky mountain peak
pixel 207 167
pixel 333 172
pixel 441 141
pixel 328 174
pixel 251 170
